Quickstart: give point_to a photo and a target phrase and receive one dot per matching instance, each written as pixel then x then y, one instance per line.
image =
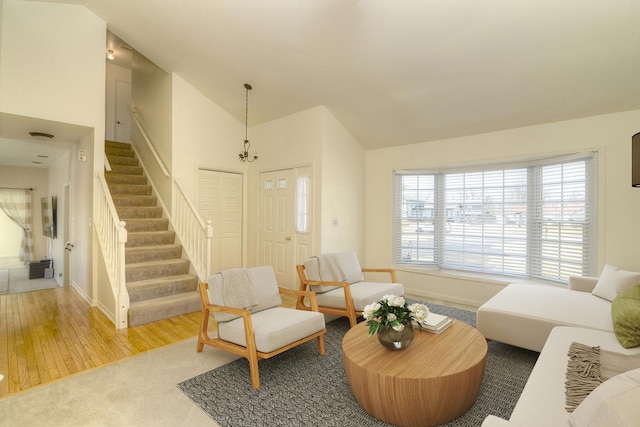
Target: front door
pixel 276 230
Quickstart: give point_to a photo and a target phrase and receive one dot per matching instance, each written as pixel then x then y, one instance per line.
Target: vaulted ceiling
pixel 396 71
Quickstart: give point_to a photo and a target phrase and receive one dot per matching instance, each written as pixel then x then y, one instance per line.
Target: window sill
pixel 473 276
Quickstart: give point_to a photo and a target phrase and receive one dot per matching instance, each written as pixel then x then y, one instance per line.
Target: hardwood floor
pixel 51 334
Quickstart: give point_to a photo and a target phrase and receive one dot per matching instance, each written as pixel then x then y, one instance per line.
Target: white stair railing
pixel 152 148
pixel 112 235
pixel 194 234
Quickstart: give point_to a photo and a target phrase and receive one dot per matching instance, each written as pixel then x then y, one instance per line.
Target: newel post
pixel 123 295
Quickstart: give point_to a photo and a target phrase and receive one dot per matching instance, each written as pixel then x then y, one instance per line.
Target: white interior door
pixel 276 225
pixel 220 200
pixel 123 117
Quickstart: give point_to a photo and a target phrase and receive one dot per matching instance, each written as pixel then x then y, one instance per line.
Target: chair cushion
pixel 312 271
pixel 362 293
pixel 612 281
pixel 625 314
pixel 274 328
pixel 265 288
pixel 351 266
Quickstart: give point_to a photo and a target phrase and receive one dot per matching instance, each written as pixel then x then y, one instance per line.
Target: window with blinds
pixel 530 220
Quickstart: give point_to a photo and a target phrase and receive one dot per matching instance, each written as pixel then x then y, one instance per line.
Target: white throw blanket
pixel 329 268
pixel 237 291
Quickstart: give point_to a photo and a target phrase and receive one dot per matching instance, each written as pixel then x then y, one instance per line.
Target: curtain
pixel 16 204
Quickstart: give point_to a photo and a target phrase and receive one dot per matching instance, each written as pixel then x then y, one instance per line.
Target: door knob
pixel 287 238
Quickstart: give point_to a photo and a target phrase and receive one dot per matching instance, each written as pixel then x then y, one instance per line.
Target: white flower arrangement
pixel 394 311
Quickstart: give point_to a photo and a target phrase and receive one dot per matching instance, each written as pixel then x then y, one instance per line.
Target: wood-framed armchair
pixel 265 329
pixel 346 297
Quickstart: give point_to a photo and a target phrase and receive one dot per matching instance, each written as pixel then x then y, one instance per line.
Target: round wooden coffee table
pixel 433 381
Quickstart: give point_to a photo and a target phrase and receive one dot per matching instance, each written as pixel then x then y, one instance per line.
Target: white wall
pixel 52 66
pixel 618 204
pixel 289 142
pixel 204 135
pixel 151 93
pixel 59 174
pixel 343 215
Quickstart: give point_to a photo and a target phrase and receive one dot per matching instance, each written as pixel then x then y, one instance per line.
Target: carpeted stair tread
pixel 117 144
pixel 152 253
pixel 134 200
pixel 138 212
pixel 160 287
pixel 157 277
pixel 127 170
pixel 129 190
pixel 154 269
pixel 113 151
pixel 118 178
pixel 147 224
pixel 122 161
pixel 148 238
pixel 141 312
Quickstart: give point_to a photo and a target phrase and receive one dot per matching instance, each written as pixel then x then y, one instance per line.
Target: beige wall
pixel 52 66
pixel 618 204
pixel 151 95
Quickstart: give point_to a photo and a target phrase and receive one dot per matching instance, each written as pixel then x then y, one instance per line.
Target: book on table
pixel 435 323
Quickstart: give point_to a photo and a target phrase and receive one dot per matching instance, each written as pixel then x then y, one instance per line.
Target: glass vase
pixel 396 340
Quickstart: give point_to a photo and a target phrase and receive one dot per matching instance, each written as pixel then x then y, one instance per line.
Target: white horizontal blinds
pixel 531 219
pixel 415 221
pixel 563 221
pixel 486 214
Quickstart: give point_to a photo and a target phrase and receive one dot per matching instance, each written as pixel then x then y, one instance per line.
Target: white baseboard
pixel 84 296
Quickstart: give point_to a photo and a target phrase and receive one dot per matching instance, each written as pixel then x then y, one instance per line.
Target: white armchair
pixel 346 295
pixel 262 330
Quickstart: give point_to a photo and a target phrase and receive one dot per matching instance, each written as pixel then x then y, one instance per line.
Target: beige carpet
pixel 17 280
pixel 139 391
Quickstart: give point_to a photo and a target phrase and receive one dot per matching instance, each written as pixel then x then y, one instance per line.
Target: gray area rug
pixel 302 388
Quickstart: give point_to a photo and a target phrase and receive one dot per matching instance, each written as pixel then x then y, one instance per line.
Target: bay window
pixel 531 220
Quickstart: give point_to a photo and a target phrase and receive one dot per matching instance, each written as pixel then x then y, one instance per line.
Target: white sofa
pixel 549 319
pixel 542 402
pixel 524 315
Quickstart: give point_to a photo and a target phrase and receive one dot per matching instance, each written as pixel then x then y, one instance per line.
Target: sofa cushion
pixel 625 314
pixel 613 281
pixel 612 403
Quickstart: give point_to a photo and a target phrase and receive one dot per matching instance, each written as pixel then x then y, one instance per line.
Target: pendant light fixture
pixel 244 155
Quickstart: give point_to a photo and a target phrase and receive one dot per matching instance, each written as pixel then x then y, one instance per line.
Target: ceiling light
pixel 244 155
pixel 41 136
pixel 110 54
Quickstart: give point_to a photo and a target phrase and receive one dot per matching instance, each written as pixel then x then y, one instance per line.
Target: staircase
pixel 158 278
